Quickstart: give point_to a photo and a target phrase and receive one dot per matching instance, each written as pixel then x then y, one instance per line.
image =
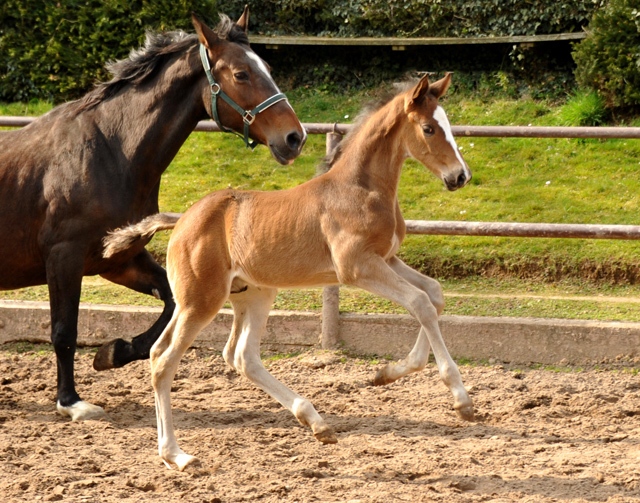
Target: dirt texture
pixel 541 435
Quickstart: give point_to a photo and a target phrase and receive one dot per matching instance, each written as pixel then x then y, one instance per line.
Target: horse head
pixel 251 104
pixel 430 140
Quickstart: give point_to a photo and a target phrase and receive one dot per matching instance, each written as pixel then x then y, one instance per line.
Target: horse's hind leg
pixel 64 278
pixel 251 311
pixel 142 274
pixel 419 356
pixel 165 356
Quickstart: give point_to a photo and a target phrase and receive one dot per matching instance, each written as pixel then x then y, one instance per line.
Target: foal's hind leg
pixel 251 311
pixel 142 274
pixel 419 356
pixel 165 356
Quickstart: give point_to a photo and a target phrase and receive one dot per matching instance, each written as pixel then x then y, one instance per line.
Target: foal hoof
pixel 326 436
pixel 466 413
pixel 105 358
pixel 382 378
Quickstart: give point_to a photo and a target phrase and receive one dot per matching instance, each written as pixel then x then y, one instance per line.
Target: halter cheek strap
pixel 248 116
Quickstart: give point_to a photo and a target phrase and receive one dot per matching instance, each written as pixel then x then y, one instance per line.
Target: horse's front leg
pixel 417 359
pixel 251 311
pixel 142 274
pixel 377 276
pixel 64 278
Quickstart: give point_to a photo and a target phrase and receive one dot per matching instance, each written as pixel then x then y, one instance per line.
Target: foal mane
pixel 143 62
pixel 363 116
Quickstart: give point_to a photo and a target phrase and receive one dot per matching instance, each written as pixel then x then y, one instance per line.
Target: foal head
pixel 430 140
pixel 246 79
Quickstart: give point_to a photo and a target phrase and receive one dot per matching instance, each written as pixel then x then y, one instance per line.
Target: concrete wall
pixel 516 340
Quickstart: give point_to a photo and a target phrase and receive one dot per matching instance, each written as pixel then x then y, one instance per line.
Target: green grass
pixel 515 180
pixel 584 108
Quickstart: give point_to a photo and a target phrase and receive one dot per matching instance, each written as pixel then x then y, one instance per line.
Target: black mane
pixel 143 62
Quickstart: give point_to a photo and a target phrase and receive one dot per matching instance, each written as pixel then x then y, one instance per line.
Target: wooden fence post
pixel 330 336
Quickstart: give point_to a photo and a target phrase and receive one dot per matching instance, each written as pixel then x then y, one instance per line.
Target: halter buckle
pixel 215 88
pixel 248 118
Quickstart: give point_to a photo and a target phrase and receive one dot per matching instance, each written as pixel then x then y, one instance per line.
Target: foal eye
pixel 428 130
pixel 241 76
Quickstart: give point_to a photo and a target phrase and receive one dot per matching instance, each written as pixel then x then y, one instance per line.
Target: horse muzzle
pixel 287 150
pixel 458 180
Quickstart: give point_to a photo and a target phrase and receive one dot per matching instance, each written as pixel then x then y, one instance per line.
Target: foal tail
pixel 123 239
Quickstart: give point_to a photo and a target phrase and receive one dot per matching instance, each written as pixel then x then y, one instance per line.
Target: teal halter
pixel 248 116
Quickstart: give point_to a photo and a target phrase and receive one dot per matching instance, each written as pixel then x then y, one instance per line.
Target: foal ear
pixel 414 95
pixel 243 22
pixel 206 35
pixel 438 89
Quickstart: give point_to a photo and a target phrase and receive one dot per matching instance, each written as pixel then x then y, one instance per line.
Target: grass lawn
pixel 514 180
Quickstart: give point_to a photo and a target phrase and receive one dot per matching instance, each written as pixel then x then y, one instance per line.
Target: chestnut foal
pixel 342 227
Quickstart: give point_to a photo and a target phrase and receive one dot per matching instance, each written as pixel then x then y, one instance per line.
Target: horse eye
pixel 428 130
pixel 241 76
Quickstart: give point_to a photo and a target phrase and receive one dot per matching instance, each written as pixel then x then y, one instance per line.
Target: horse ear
pixel 206 35
pixel 415 94
pixel 243 22
pixel 438 89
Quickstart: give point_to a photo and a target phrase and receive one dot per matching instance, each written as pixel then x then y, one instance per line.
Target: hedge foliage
pixel 57 50
pixel 608 60
pixel 416 18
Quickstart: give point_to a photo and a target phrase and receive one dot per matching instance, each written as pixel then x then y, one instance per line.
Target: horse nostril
pixel 293 140
pixel 462 179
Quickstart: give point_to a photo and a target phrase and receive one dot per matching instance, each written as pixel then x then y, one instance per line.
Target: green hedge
pixel 416 18
pixel 57 50
pixel 608 60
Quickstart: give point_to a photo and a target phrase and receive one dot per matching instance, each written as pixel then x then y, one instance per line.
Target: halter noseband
pixel 248 116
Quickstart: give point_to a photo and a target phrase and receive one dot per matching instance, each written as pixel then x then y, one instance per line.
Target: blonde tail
pixel 120 240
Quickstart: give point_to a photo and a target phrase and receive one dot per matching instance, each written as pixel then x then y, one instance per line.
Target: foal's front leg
pixel 251 311
pixel 377 276
pixel 419 356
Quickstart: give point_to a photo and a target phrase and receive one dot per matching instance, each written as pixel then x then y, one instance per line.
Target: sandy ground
pixel 541 436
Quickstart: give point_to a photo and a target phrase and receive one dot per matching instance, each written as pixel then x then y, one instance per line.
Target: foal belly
pixel 289 275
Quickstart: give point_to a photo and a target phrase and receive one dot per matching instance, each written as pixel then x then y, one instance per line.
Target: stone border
pixel 515 340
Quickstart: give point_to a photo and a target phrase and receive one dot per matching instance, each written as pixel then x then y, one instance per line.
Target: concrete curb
pixel 515 340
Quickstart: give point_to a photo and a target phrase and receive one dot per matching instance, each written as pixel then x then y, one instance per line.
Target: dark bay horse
pixel 95 164
pixel 342 227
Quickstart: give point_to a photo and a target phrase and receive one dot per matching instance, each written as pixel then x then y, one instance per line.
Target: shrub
pixel 608 60
pixel 57 50
pixel 416 18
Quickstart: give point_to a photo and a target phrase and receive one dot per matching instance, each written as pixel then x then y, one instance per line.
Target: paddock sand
pixel 541 435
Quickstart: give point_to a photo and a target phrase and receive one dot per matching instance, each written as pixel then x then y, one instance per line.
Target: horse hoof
pixel 82 411
pixel 326 436
pixel 466 413
pixel 181 461
pixel 105 358
pixel 381 378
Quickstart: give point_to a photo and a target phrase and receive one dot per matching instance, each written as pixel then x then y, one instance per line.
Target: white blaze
pixel 263 68
pixel 441 118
